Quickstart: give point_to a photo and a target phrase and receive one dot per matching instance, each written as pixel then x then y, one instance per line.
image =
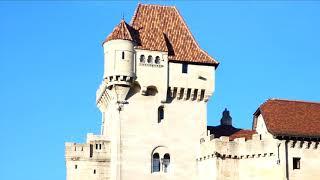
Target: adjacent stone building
pixel 153 101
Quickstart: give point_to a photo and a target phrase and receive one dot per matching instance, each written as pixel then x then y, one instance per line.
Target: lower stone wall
pixel 88 161
pixel 222 159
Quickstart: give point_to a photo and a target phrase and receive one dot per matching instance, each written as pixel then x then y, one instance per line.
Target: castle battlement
pixel 97 148
pixel 258 146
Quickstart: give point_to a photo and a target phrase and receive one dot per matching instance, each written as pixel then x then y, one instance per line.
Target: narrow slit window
pixel 296 163
pixel 160 114
pixel 122 55
pixel 94 171
pixel 76 166
pixel 91 150
pixel 185 68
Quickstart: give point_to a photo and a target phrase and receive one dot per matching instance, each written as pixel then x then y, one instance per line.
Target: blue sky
pixel 51 62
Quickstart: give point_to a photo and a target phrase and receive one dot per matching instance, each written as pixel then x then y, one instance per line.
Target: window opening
pixel 155 163
pixel 166 162
pixel 142 58
pixel 91 150
pixel 149 59
pixel 184 68
pixel 157 60
pixel 122 55
pixel 296 163
pixel 160 114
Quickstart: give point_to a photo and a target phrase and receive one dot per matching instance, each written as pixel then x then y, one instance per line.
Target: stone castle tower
pixel 153 100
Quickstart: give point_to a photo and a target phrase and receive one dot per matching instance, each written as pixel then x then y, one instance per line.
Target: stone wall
pixel 222 159
pixel 89 160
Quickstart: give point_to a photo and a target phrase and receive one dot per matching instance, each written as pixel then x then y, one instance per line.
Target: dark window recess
pixel 296 163
pixel 94 171
pixel 122 56
pixel 91 150
pixel 142 58
pixel 184 68
pixel 97 146
pixel 76 166
pixel 155 162
pixel 150 59
pixel 160 114
pixel 157 61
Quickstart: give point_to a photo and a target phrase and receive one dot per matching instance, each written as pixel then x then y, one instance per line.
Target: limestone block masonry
pixel 153 100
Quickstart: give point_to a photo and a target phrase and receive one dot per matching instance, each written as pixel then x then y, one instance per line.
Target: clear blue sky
pixel 51 63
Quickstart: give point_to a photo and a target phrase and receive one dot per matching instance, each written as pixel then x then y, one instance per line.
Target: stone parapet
pixel 258 146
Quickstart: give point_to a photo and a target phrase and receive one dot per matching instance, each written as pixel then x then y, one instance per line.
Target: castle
pixel 153 101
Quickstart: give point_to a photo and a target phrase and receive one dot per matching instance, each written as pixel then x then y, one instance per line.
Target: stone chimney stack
pixel 226 118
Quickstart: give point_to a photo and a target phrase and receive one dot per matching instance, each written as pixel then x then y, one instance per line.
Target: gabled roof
pixel 161 28
pixel 291 118
pixel 121 31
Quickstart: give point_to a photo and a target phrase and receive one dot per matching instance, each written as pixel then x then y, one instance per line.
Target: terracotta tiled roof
pixel 161 28
pixel 291 118
pixel 121 31
pixel 243 133
pixel 232 132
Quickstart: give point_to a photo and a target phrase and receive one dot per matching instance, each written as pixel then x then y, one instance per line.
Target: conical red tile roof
pixel 161 28
pixel 121 31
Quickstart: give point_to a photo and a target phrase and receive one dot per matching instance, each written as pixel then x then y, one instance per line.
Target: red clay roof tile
pixel 121 31
pixel 243 133
pixel 291 118
pixel 161 28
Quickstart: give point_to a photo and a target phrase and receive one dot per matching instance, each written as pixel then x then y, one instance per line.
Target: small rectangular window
pixel 122 55
pixel 76 166
pixel 185 68
pixel 296 163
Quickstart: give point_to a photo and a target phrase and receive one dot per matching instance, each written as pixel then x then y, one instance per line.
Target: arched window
pixel 166 162
pixel 160 114
pixel 156 162
pixel 142 58
pixel 149 59
pixel 122 55
pixel 157 60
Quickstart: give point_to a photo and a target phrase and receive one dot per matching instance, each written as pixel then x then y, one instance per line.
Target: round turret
pixel 119 56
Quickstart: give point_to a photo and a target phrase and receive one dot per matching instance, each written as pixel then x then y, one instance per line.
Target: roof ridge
pixel 294 100
pixel 157 5
pixel 135 14
pixel 194 40
pixel 126 27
